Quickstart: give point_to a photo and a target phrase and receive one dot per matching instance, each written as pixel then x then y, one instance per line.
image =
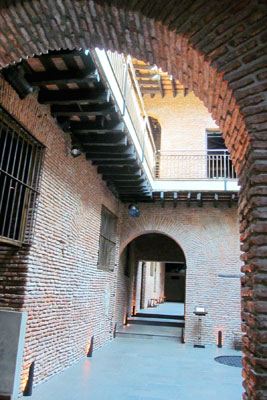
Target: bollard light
pixel 28 388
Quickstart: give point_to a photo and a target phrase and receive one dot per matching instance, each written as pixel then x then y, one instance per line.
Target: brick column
pixel 253 219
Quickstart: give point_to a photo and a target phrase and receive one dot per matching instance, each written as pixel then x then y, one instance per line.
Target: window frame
pixel 22 205
pixel 107 240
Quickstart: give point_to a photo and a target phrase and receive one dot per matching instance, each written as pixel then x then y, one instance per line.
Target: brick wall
pixel 56 279
pixel 218 52
pixel 209 239
pixel 183 121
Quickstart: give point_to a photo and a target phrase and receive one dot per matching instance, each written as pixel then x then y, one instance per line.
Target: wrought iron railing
pixel 213 164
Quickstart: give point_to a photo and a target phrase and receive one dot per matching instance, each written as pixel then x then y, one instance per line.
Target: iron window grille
pixel 107 240
pixel 21 158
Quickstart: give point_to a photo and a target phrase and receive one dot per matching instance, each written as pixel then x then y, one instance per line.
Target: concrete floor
pixel 134 369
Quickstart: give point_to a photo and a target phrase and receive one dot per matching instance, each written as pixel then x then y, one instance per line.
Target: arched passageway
pixel 218 52
pixel 159 253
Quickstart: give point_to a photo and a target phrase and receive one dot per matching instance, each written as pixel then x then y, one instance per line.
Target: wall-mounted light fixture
pixel 133 211
pixel 28 388
pixel 90 349
pixel 14 75
pixel 75 151
pixel 219 339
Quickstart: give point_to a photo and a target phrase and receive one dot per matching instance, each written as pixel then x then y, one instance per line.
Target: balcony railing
pixel 123 72
pixel 214 164
pixel 164 165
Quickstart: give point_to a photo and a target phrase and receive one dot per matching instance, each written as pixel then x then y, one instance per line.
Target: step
pixel 154 321
pixel 131 335
pixel 148 315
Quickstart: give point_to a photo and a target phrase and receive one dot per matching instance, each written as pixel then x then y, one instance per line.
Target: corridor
pixel 136 369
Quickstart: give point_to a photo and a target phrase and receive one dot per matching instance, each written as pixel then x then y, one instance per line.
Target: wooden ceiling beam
pixel 135 171
pixel 110 157
pixel 108 139
pixel 62 77
pixel 58 110
pixel 110 150
pixel 115 163
pixel 81 127
pixel 124 178
pixel 70 96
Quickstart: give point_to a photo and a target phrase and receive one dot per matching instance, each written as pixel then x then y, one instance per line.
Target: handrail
pixel 133 101
pixel 197 164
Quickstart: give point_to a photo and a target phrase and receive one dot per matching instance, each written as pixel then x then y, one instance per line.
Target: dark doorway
pixel 175 282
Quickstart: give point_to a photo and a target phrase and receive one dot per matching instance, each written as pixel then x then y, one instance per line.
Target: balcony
pixel 187 170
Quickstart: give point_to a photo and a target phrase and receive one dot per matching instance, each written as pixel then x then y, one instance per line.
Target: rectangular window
pixel 107 240
pixel 20 163
pixel 219 163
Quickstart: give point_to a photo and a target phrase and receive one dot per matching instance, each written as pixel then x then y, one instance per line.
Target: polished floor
pixel 134 369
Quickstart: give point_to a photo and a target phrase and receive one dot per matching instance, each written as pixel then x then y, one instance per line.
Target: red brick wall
pixel 56 279
pixel 210 241
pixel 183 121
pixel 218 52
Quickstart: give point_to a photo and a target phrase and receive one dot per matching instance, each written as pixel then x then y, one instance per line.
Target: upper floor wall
pixel 183 121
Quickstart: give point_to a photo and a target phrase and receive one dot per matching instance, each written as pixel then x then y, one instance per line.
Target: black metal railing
pixel 20 163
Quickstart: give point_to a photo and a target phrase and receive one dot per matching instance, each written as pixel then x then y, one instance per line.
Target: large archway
pixel 218 53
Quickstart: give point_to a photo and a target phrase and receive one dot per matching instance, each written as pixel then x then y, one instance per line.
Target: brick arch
pixel 40 26
pixel 218 52
pixel 141 233
pixel 192 229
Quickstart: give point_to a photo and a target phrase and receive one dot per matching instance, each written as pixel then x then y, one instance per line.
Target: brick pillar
pixel 253 219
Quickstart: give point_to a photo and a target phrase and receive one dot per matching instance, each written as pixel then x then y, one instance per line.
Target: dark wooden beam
pixel 133 190
pixel 116 157
pixel 62 77
pixel 63 53
pixel 173 86
pixel 216 200
pixel 83 110
pixel 117 163
pixel 70 96
pixel 132 184
pixel 120 171
pixel 200 200
pixel 109 150
pixel 175 198
pixel 94 126
pixel 161 87
pixel 108 139
pixel 188 199
pixel 124 178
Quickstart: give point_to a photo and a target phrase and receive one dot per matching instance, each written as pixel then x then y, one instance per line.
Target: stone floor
pixel 165 308
pixel 134 369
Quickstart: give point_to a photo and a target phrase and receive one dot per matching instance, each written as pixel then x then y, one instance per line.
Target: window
pixel 107 240
pixel 20 164
pixel 219 163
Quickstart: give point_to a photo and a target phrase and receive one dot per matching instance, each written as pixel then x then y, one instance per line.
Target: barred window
pixel 20 164
pixel 107 240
